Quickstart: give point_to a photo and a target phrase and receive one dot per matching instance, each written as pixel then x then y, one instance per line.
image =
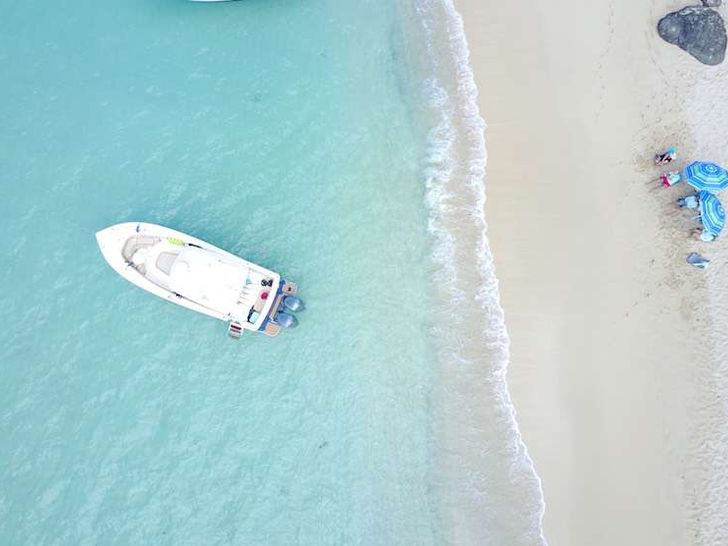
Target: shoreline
pixel 603 313
pixel 489 492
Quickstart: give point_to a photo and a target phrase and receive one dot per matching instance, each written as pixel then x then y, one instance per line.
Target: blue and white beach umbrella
pixel 711 213
pixel 704 176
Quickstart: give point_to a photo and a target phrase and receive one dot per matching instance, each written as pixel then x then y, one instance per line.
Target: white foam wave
pixel 474 344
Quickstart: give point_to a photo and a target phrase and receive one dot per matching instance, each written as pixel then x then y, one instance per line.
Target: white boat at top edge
pixel 199 276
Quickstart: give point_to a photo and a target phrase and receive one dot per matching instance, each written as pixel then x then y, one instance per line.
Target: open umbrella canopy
pixel 705 176
pixel 711 213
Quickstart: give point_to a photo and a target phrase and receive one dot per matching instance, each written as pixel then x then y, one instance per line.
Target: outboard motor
pixel 293 303
pixel 286 320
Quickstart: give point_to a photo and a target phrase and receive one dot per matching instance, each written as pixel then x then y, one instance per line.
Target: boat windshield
pixel 208 278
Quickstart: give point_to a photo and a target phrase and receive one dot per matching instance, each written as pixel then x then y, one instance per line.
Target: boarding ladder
pixel 235 329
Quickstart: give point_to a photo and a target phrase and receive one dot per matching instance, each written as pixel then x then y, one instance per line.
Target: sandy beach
pixel 616 351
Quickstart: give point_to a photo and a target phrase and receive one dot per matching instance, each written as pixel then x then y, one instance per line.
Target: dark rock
pixel 698 30
pixel 712 3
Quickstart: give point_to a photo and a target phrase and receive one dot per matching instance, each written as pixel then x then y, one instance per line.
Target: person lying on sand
pixel 703 235
pixel 670 179
pixel 688 201
pixel 666 157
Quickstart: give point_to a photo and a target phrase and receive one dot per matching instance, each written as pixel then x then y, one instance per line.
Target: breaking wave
pixel 491 490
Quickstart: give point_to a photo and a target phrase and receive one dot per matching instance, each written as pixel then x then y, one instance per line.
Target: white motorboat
pixel 199 276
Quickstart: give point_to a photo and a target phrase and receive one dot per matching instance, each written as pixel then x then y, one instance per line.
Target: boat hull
pixel 112 241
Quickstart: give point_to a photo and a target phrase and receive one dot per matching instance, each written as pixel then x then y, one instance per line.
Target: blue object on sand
pixel 706 176
pixel 696 260
pixel 712 214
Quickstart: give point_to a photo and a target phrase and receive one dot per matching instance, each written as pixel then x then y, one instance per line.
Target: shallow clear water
pixel 285 132
pixel 266 129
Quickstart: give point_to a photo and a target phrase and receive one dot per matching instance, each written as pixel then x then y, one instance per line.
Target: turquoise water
pixel 280 131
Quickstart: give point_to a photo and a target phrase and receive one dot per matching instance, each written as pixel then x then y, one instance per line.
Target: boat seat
pixel 135 243
pixel 165 261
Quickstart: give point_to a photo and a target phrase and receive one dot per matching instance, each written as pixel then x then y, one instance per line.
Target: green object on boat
pixel 176 241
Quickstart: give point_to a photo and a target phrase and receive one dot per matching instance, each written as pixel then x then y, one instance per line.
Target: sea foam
pixel 491 490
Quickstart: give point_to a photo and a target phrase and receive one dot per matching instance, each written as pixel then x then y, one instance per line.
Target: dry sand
pixel 612 374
